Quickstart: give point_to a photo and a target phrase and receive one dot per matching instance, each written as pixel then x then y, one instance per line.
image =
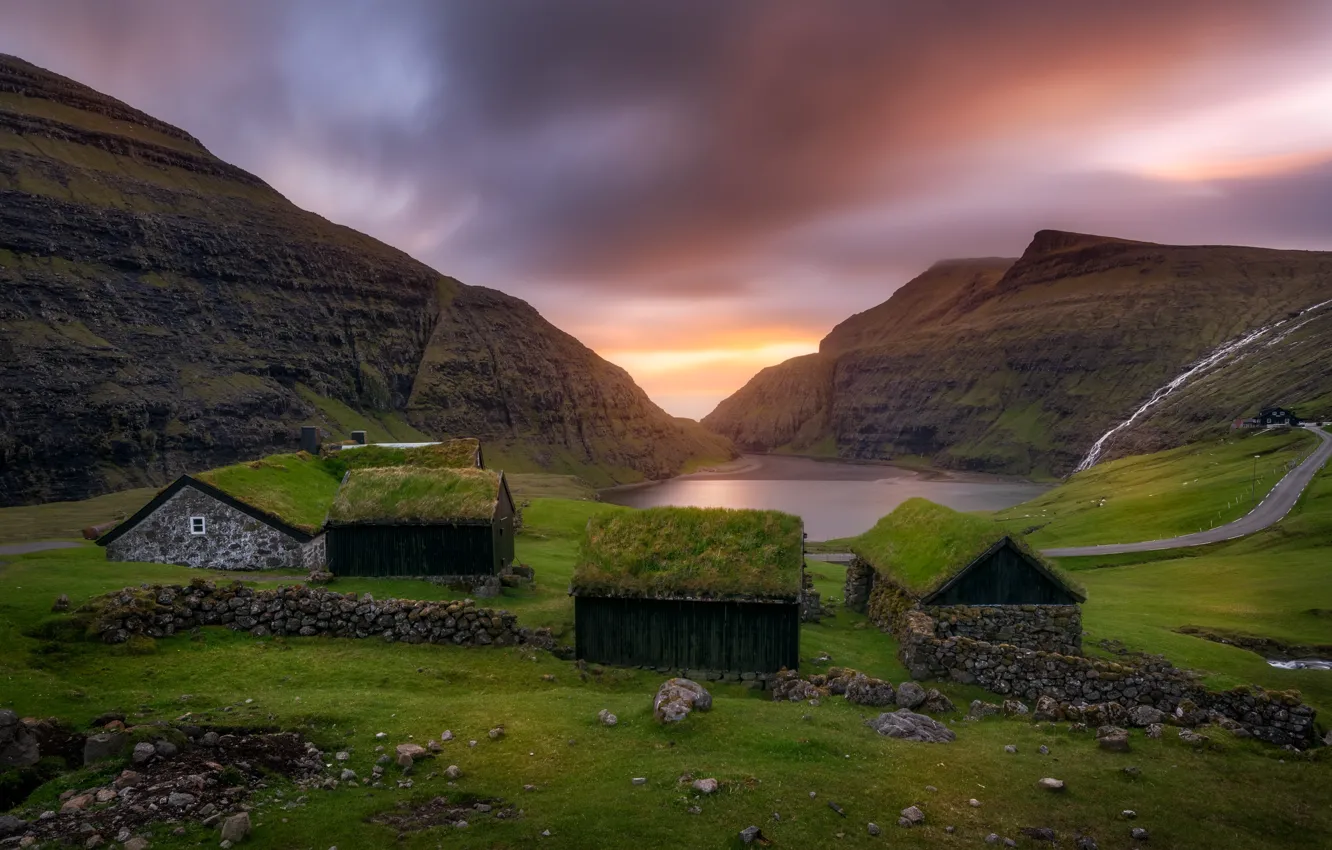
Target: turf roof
pixel 413 495
pixel 704 552
pixel 295 488
pixel 921 545
pixel 450 454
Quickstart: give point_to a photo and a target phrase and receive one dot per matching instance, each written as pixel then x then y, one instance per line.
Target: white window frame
pixel 198 525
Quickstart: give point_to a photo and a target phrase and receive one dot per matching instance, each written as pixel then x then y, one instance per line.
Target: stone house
pixel 971 577
pixel 195 524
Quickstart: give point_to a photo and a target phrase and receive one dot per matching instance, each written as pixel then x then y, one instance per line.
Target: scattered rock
pixel 676 698
pixel 1010 748
pixel 101 746
pixel 1085 842
pixel 750 834
pixel 1039 833
pixel 1137 833
pixel 1133 771
pixel 77 803
pixel 1128 814
pixel 911 816
pixel 411 751
pixel 910 695
pixel 981 709
pixel 1049 783
pixel 1112 739
pixel 705 786
pixel 236 828
pixel 937 703
pixel 165 749
pixel 910 726
pixel 143 751
pixel 453 772
pixel 866 690
pixel 1047 709
pixel 446 736
pixel 137 843
pixel 1145 715
pixel 10 825
pixel 873 829
pixel 1188 736
pixel 1014 708
pixel 606 718
pixel 180 800
pixel 974 803
pixel 348 775
pixel 61 603
pixel 992 838
pixel 344 755
pixel 836 808
pixel 1043 750
pixel 496 733
pixel 639 780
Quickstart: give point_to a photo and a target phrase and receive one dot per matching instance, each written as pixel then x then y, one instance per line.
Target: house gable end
pixel 1004 575
pixel 212 492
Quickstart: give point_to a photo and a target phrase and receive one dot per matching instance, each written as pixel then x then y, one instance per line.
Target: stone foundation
pixel 162 610
pixel 1052 628
pixel 859 584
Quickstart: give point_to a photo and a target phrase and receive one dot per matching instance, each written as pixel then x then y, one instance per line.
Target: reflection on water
pixel 834 499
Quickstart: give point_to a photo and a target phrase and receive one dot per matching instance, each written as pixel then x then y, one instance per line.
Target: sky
pixel 697 189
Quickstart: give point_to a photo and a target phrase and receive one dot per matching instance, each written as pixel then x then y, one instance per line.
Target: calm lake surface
pixel 834 499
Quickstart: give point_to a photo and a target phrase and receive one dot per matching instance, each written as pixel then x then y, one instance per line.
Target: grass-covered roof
pixel 295 488
pixel 413 495
pixel 698 552
pixel 450 454
pixel 921 545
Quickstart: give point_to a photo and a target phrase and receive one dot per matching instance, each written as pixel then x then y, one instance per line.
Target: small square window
pixel 198 525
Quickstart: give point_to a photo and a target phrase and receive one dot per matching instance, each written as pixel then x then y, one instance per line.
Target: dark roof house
pixel 414 521
pixel 690 588
pixel 1277 416
pixel 925 556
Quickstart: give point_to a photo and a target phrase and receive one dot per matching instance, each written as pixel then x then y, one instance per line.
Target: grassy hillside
pixel 1150 497
pixel 1018 367
pixel 768 756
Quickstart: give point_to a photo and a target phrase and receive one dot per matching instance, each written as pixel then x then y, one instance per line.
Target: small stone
pixel 705 786
pixel 447 736
pixel 639 780
pixel 1043 750
pixel 381 735
pixel 1133 771
pixel 529 787
pixel 694 810
pixel 226 845
pixel 1113 739
pixel 1039 833
pixel 974 803
pixel 77 803
pixel 931 789
pixel 496 733
pixel 1137 833
pixel 776 816
pixel 813 794
pixel 462 824
pixel 180 800
pixel 348 775
pixel 992 838
pixel 342 756
pixel 411 751
pixel 873 829
pixel 750 834
pixel 1049 783
pixel 1010 748
pixel 1154 730
pixel 94 841
pixel 1128 814
pixel 1085 842
pixel 434 746
pixel 137 843
pixel 106 795
pixel 236 827
pixel 911 816
pixel 143 751
pixel 1008 842
pixel 950 829
pixel 453 772
pixel 166 749
pixel 471 743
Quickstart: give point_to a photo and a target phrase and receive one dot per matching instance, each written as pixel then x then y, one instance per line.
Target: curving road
pixel 1271 510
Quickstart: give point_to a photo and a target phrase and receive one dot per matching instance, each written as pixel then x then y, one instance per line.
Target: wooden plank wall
pixel 1004 579
pixel 408 550
pixel 739 637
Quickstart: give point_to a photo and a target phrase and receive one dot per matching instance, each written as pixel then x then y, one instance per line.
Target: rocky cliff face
pixel 162 311
pixel 1018 367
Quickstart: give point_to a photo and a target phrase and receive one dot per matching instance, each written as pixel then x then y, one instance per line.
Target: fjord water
pixel 834 499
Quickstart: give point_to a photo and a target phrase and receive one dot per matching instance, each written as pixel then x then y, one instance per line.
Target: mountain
pixel 1018 366
pixel 163 311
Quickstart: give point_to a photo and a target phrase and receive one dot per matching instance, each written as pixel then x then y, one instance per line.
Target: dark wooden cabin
pixel 710 599
pixel 419 522
pixel 1004 574
pixel 1277 416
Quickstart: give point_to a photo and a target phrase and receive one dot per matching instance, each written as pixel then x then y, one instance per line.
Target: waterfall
pixel 1215 358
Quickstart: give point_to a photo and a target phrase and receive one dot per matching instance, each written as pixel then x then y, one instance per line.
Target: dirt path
pixel 40 546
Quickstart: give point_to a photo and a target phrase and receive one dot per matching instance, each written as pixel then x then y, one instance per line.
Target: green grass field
pixel 768 756
pixel 1148 497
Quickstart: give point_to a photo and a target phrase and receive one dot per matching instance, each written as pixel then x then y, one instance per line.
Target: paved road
pixel 1270 511
pixel 25 548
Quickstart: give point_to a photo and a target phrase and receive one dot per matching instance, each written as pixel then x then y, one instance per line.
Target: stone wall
pixel 1075 680
pixel 859 583
pixel 1053 628
pixel 162 610
pixel 232 540
pixel 314 555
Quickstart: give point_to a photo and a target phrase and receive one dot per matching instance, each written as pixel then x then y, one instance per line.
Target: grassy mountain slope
pixel 1020 369
pixel 163 311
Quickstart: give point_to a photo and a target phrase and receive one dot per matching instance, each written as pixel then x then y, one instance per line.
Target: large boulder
pixel 910 726
pixel 787 686
pixel 937 703
pixel 104 746
pixel 10 825
pixel 1047 709
pixel 1145 715
pixel 865 690
pixel 676 698
pixel 910 695
pixel 19 747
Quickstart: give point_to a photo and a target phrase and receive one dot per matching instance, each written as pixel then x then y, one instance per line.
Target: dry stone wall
pixel 1074 680
pixel 162 610
pixel 232 540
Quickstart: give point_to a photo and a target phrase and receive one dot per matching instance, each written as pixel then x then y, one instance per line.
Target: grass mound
pixel 920 545
pixel 451 454
pixel 295 488
pixel 415 495
pixel 715 552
